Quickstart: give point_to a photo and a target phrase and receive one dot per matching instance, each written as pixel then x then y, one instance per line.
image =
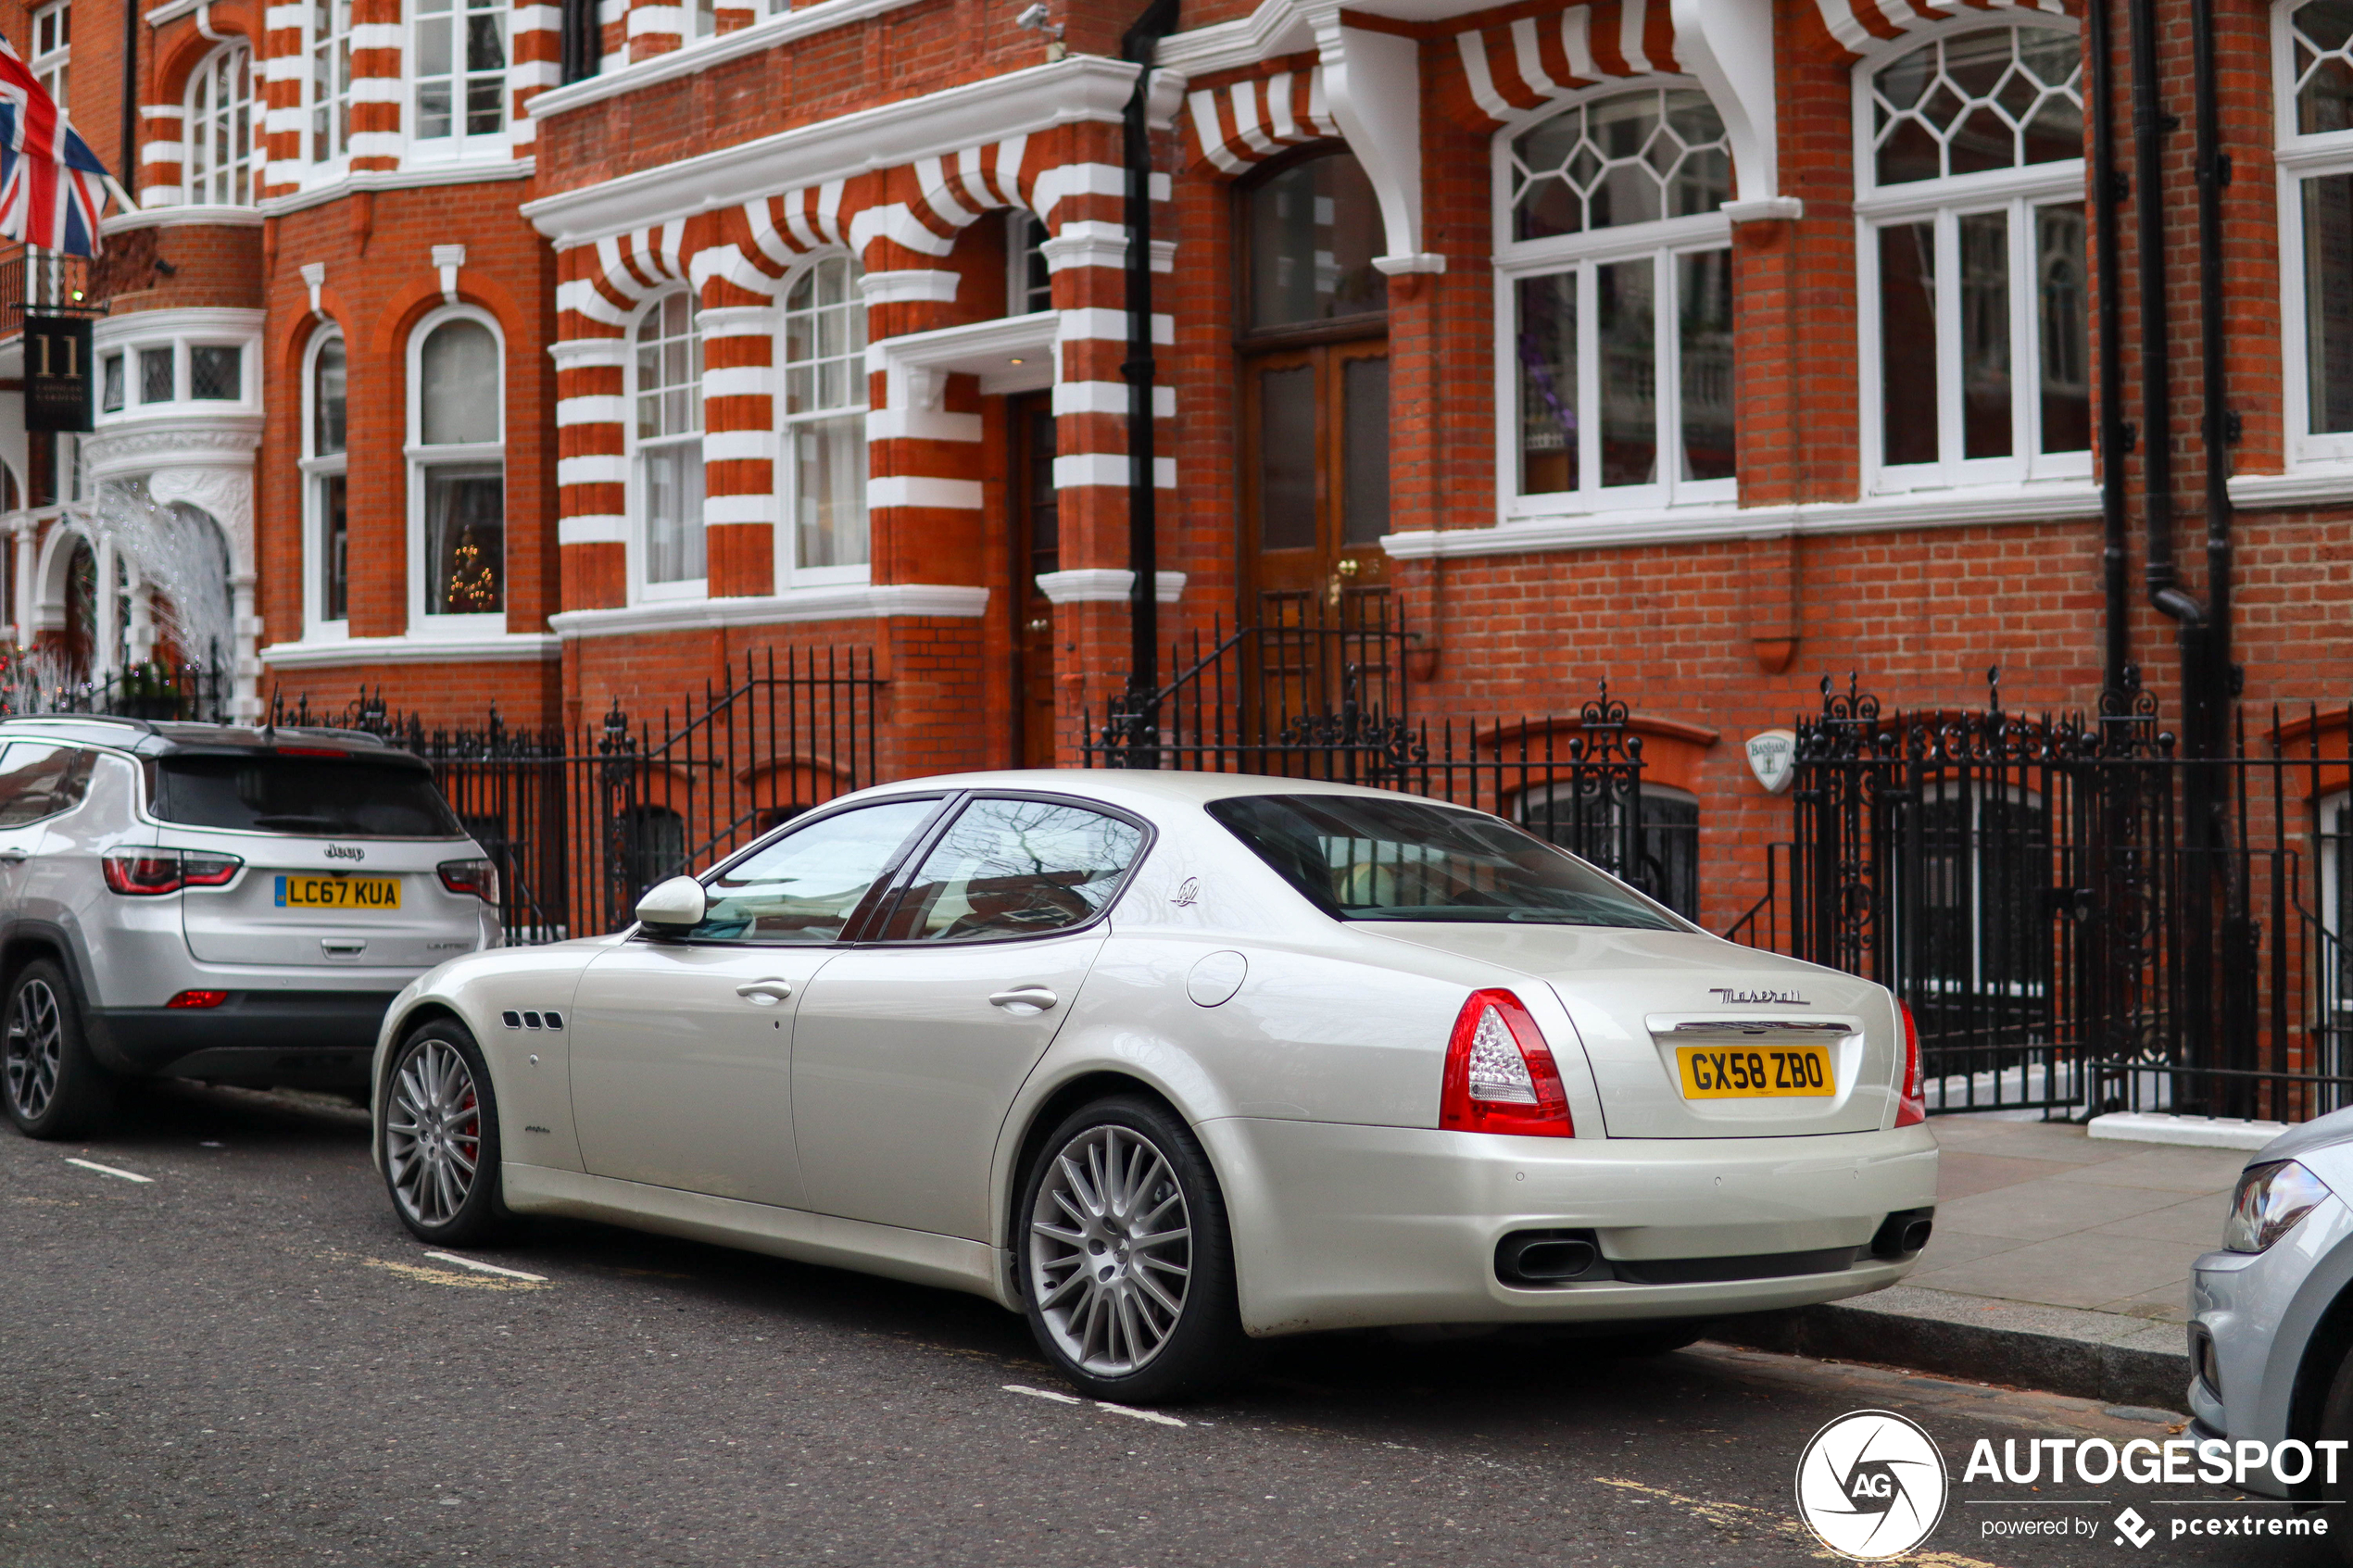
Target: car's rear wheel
pixel 1126 1265
pixel 54 1088
pixel 2335 1422
pixel 441 1139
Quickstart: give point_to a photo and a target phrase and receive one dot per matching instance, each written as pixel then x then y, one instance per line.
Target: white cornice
pixel 1083 89
pixel 112 331
pixel 767 33
pixel 420 178
pixel 1667 525
pixel 513 647
pixel 1276 28
pixel 181 215
pixel 848 601
pixel 1105 584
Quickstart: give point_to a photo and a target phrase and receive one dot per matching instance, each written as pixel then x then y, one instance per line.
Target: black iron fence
pixel 155 691
pixel 2079 917
pixel 582 823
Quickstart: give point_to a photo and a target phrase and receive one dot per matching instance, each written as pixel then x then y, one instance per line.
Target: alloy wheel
pixel 1110 1250
pixel 36 1047
pixel 433 1133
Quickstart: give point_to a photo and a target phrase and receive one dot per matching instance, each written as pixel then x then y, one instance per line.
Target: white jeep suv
pixel 217 902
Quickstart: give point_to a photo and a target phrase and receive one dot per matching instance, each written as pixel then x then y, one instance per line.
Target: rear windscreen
pixel 303 795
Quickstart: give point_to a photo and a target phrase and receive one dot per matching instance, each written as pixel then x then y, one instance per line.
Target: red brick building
pixel 1708 345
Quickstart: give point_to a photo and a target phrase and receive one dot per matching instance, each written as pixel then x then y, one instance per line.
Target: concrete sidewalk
pixel 2059 1262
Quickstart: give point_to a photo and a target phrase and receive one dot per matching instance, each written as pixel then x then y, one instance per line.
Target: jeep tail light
pixel 1500 1075
pixel 1911 1103
pixel 198 999
pixel 477 877
pixel 146 872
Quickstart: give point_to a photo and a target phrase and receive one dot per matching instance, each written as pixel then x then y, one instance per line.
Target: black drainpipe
pixel 1138 45
pixel 129 153
pixel 2213 173
pixel 2108 202
pixel 2149 127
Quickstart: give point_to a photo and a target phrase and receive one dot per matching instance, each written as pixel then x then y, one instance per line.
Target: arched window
pixel 222 149
pixel 666 443
pixel 329 42
pixel 1616 268
pixel 458 473
pixel 1970 150
pixel 326 534
pixel 2315 140
pixel 461 70
pixel 823 418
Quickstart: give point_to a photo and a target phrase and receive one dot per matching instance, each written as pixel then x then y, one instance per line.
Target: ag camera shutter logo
pixel 1871 1485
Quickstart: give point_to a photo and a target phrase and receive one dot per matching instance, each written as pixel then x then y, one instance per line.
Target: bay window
pixel 1615 270
pixel 823 418
pixel 1975 304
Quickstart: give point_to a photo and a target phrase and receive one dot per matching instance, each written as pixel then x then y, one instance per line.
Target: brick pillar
pixel 592 521
pixel 534 64
pixel 278 67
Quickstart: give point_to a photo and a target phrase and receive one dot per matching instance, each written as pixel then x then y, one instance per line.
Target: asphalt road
pixel 244 1359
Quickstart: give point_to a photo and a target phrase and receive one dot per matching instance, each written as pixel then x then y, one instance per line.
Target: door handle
pixel 767 993
pixel 1036 998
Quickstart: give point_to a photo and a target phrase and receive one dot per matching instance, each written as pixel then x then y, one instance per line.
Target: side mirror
pixel 673 904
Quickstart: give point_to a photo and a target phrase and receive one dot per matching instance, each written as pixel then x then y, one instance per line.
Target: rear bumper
pixel 314 1038
pixel 1354 1226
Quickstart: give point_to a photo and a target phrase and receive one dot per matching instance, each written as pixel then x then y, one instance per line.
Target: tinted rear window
pixel 1361 858
pixel 315 796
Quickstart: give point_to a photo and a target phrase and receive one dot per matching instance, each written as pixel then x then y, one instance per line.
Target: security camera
pixel 1037 18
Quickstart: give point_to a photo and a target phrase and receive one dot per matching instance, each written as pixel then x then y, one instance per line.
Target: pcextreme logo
pixel 1872 1484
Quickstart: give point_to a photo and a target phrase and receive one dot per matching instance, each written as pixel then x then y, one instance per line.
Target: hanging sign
pixel 56 373
pixel 1771 753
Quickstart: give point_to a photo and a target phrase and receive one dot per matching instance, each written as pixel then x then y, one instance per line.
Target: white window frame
pixel 1945 202
pixel 1017 253
pixel 1516 261
pixel 50 65
pixel 419 457
pixel 330 158
pixel 641 587
pixel 2299 158
pixel 196 129
pixel 316 471
pixel 459 142
pixel 2331 824
pixel 789 571
pixel 177 345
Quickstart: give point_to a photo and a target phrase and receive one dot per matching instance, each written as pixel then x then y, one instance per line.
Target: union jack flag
pixel 52 185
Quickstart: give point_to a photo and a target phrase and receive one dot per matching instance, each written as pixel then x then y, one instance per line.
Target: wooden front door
pixel 1316 475
pixel 1037 549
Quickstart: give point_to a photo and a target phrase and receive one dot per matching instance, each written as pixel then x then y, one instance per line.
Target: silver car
pixel 2272 1312
pixel 207 901
pixel 1169 1060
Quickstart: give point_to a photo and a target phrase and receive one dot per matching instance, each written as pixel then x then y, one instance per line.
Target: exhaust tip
pixel 1903 1234
pixel 1547 1257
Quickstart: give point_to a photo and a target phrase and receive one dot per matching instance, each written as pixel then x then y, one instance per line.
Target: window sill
pixel 344 182
pixel 2312 485
pixel 321 649
pixel 1920 508
pixel 855 601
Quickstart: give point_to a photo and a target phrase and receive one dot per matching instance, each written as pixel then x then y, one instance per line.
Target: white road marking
pixel 1139 1415
pixel 110 1171
pixel 486 1268
pixel 1044 1394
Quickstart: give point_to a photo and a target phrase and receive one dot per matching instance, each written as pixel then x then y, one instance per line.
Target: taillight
pixel 198 999
pixel 145 873
pixel 1500 1076
pixel 1911 1104
pixel 477 877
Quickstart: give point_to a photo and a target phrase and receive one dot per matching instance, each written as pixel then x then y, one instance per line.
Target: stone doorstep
pixel 2199 1132
pixel 2104 1355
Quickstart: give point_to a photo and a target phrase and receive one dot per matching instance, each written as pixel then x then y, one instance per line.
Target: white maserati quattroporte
pixel 1170 1060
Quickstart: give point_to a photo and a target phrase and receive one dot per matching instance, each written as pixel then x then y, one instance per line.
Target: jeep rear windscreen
pixel 313 796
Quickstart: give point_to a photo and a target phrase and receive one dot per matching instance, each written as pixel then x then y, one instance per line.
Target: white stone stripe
pixel 277 18
pixel 598 408
pixel 729 264
pixel 283 67
pixel 162 152
pixel 752 508
pixel 931 179
pixel 1576 43
pixel 922 490
pixel 1528 59
pixel 1108 469
pixel 1211 137
pixel 735 380
pixel 738 445
pixel 1245 101
pixel 379 90
pixel 582 295
pixel 896 223
pixel 525 74
pixel 1085 180
pixel 602 468
pixel 538 18
pixel 1108 397
pixel 663 20
pixel 1097 324
pixel 1631 15
pixel 378 144
pixel 378 36
pixel 595 528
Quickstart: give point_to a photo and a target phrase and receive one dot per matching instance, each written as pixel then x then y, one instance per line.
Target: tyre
pixel 54 1088
pixel 1127 1266
pixel 2336 1421
pixel 440 1139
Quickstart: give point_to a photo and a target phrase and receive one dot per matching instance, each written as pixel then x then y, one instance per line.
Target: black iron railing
pixel 154 691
